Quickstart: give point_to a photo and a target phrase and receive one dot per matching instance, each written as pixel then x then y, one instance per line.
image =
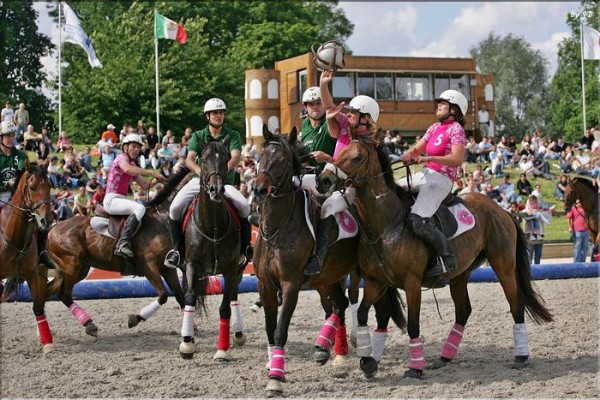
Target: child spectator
pixel 82 203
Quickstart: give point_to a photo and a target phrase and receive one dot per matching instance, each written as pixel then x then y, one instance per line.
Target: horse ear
pixel 293 136
pixel 267 135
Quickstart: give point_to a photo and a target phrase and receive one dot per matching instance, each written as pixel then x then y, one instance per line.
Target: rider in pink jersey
pixel 444 143
pixel 123 171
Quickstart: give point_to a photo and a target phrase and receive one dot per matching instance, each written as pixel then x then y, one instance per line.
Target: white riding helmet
pixel 455 97
pixel 365 105
pixel 214 104
pixel 311 94
pixel 133 138
pixel 8 127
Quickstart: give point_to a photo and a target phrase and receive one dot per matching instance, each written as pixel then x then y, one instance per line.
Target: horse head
pixel 213 163
pixel 278 163
pixel 33 196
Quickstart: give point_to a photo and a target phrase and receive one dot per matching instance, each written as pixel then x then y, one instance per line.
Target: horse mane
pixel 586 182
pixel 168 187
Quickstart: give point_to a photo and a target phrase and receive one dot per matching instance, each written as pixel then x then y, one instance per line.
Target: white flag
pixel 73 33
pixel 591 43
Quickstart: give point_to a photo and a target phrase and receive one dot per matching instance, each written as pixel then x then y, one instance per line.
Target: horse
pixel 582 189
pixel 282 250
pixel 391 255
pixel 212 242
pixel 74 246
pixel 28 210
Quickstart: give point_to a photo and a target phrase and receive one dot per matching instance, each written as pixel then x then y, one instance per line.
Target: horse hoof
pixel 413 373
pixel 369 367
pixel 321 355
pixel 440 363
pixel 520 362
pixel 221 356
pixel 91 329
pixel 340 361
pixel 239 339
pixel 132 321
pixel 186 350
pixel 274 388
pixel 48 348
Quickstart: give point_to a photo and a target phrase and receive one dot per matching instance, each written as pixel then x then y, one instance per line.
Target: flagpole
pixel 582 73
pixel 59 69
pixel 156 79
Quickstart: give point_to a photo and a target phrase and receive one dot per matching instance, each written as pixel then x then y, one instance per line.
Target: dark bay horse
pixel 582 189
pixel 283 248
pixel 390 255
pixel 28 210
pixel 74 247
pixel 212 241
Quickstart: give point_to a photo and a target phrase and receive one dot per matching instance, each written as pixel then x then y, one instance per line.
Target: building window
pixel 255 89
pixel 343 85
pixel 454 82
pixel 413 87
pixel 273 89
pixel 441 83
pixel 302 82
pixel 384 84
pixel 366 84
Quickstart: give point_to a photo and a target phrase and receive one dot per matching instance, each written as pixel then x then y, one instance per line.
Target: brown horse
pixel 74 247
pixel 582 189
pixel 283 248
pixel 28 209
pixel 390 255
pixel 212 240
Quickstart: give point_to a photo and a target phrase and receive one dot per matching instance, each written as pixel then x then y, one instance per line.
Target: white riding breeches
pixel 432 188
pixel 334 203
pixel 191 189
pixel 116 204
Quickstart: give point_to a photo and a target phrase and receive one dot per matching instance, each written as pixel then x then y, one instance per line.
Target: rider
pixel 444 142
pixel 214 111
pixel 123 170
pixel 12 161
pixel 360 119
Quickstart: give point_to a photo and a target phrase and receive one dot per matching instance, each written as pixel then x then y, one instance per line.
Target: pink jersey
pixel 344 138
pixel 440 137
pixel 118 181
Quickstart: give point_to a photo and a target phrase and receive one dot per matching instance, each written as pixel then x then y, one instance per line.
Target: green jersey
pixel 235 143
pixel 317 138
pixel 9 167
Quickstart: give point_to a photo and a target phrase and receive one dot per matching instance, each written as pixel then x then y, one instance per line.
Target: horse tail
pixel 395 306
pixel 55 285
pixel 200 285
pixel 168 187
pixel 534 304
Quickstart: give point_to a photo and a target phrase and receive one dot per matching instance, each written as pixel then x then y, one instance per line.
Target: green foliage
pixel 566 108
pixel 224 39
pixel 520 75
pixel 21 47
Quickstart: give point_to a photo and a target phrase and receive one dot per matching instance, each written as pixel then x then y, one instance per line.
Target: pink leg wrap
pixel 44 330
pixel 415 353
pixel 450 348
pixel 341 341
pixel 224 339
pixel 277 370
pixel 328 331
pixel 79 313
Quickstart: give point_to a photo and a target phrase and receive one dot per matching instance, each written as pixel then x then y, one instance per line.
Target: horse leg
pixel 462 311
pixel 154 277
pixel 379 336
pixel 334 330
pixel 187 347
pixel 37 285
pixel 237 321
pixel 364 349
pixel 172 280
pixel 224 343
pixel 416 363
pixel 353 296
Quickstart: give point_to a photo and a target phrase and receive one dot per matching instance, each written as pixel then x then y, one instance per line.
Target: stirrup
pixel 172 259
pixel 312 271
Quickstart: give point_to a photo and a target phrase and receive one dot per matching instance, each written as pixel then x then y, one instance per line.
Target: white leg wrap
pixel 378 341
pixel 354 313
pixel 363 342
pixel 149 310
pixel 520 340
pixel 237 323
pixel 187 327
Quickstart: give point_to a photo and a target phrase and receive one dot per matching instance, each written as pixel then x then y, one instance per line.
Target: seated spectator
pixel 47 140
pixel 480 175
pixel 561 186
pixel 167 137
pixel 166 168
pixel 472 152
pixel 77 173
pixel 42 155
pixel 526 167
pixel 65 180
pixel 31 139
pixel 244 189
pixel 82 203
pixel 459 185
pixel 63 203
pixel 63 142
pixel 514 211
pixel 154 160
pixel 54 174
pixel 524 187
pixel 165 153
pixel 507 191
pixel 179 164
pixel 91 185
pixel 110 135
pixel 400 145
pixel 585 143
pixel 470 188
pixel 85 159
pixel 498 165
pixel 250 150
pixel 98 197
pixel 581 163
pixel 107 158
pixel 484 147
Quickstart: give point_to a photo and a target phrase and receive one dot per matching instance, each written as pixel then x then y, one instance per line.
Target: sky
pixel 430 29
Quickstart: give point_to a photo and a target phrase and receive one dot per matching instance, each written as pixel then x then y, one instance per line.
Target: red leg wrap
pixel 341 341
pixel 44 330
pixel 224 339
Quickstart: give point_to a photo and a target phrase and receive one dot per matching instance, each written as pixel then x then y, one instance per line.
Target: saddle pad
pixel 347 225
pixel 100 225
pixel 230 207
pixel 464 218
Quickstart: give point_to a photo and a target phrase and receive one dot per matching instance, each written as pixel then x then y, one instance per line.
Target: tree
pixel 224 39
pixel 520 76
pixel 565 115
pixel 21 47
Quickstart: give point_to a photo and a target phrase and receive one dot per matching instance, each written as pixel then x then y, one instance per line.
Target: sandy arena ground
pixel 144 362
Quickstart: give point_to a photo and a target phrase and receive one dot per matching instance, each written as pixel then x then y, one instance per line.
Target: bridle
pixel 205 179
pixel 285 178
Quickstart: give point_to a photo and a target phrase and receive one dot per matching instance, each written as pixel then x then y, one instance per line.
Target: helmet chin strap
pixel 444 119
pixel 5 146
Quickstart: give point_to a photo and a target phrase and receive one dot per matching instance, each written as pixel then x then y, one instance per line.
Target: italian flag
pixel 164 28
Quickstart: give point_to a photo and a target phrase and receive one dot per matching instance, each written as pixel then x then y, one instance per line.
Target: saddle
pixel 230 208
pixel 115 223
pixel 451 215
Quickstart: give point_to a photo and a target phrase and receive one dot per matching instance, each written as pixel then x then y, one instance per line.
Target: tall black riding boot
pixel 123 247
pixel 175 256
pixel 246 239
pixel 324 230
pixel 42 237
pixel 435 239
